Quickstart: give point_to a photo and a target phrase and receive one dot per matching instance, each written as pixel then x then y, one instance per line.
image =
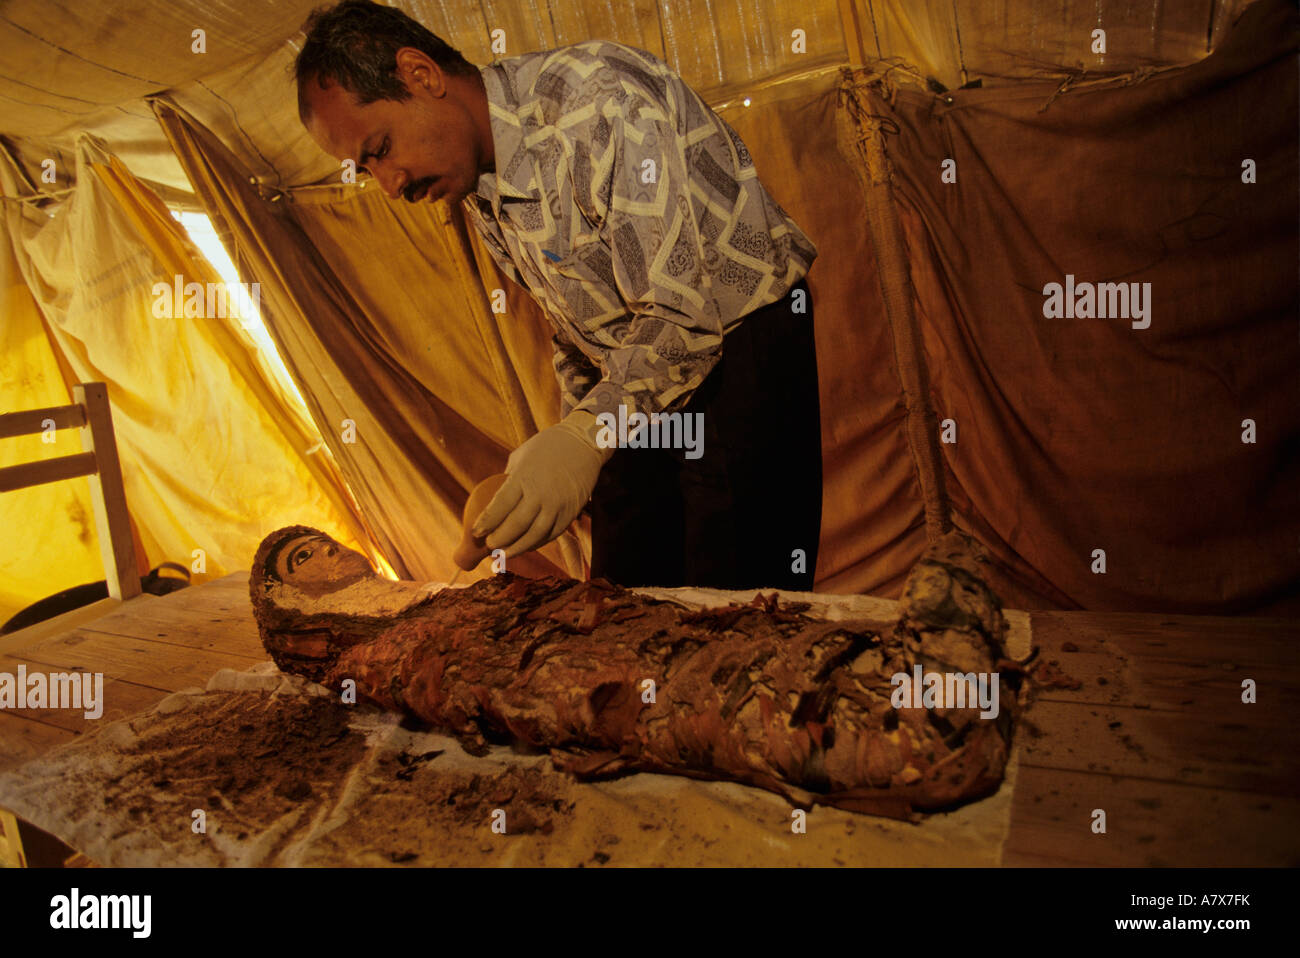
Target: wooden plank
pixel 210 616
pixel 1228 747
pixel 1209 638
pixel 1187 664
pixel 61 623
pixel 228 588
pixel 46 470
pixel 29 421
pixel 22 739
pixel 120 699
pixel 148 662
pixel 225 596
pixel 174 624
pixel 231 580
pixel 1147 823
pixel 851 23
pixel 11 843
pixel 1160 699
pixel 43 850
pixel 211 598
pixel 107 493
pixel 1172 684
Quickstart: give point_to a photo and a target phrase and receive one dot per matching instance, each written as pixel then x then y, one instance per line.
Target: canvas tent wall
pixel 1072 435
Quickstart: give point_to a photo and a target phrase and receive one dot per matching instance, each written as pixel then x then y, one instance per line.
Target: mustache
pixel 415 189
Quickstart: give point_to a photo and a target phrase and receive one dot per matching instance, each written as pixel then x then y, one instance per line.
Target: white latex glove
pixel 549 478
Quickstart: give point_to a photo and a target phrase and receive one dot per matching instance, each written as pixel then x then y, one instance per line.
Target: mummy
pixel 610 682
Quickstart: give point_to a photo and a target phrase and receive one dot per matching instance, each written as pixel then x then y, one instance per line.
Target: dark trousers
pixel 735 517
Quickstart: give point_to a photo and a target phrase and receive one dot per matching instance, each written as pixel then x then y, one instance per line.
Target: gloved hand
pixel 549 478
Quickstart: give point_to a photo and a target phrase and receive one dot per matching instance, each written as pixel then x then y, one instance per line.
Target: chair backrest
pixel 99 461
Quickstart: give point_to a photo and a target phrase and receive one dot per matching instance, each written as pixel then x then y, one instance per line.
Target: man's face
pixel 422 148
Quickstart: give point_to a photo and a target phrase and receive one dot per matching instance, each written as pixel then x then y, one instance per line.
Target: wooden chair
pixel 99 461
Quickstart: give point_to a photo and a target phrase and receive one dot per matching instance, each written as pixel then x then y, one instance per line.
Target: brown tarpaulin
pixel 1083 434
pixel 72 65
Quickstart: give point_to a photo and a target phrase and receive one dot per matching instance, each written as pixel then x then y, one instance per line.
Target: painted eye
pixel 301 556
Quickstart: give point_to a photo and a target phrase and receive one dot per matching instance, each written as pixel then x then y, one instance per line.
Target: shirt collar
pixel 513 174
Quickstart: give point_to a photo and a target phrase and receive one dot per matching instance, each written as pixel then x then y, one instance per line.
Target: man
pixel 634 216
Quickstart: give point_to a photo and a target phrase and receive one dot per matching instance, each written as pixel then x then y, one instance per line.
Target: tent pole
pixel 860 138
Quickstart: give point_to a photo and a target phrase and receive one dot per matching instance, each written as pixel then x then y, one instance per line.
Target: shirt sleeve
pixel 575 372
pixel 641 198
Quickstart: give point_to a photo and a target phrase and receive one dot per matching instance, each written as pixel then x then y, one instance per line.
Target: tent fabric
pixel 214 453
pixel 50 536
pixel 1001 41
pixel 384 322
pixel 72 66
pixel 240 88
pixel 1077 434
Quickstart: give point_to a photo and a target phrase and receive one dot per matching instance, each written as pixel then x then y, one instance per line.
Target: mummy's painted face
pixel 318 565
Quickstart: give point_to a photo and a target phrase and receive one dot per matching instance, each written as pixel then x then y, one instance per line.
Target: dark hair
pixel 355 44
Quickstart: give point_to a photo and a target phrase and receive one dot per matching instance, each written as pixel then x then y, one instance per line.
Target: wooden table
pixel 1156 736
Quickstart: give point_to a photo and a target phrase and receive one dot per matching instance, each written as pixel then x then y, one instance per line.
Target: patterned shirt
pixel 634 215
